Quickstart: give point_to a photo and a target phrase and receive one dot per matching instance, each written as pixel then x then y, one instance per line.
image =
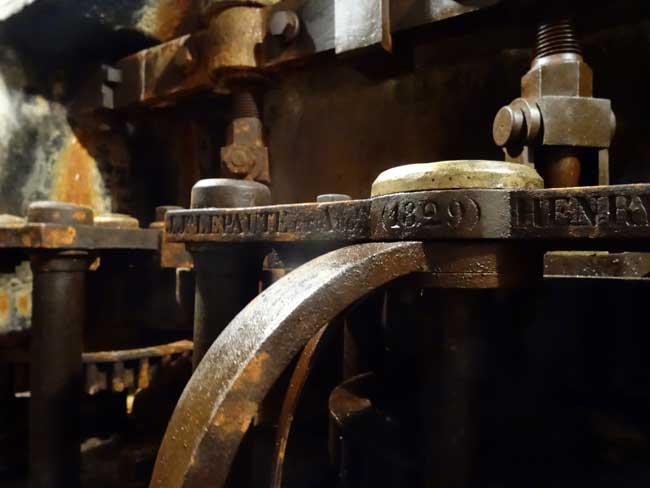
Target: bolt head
pixel 229 193
pixel 48 212
pixel 333 197
pixel 508 126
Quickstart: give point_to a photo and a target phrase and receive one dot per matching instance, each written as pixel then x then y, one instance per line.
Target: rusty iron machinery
pixel 346 341
pixel 452 227
pixel 486 236
pixel 239 51
pixel 64 242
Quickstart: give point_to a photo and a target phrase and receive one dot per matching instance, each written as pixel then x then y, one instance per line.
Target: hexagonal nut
pixel 246 161
pixel 564 77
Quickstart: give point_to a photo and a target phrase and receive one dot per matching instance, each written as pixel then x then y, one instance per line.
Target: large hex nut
pixel 571 77
pixel 246 162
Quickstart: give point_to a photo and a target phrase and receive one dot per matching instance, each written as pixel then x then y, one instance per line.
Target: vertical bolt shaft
pixel 244 104
pixel 227 277
pixel 561 168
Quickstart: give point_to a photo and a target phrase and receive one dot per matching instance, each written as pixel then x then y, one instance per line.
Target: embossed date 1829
pixel 456 213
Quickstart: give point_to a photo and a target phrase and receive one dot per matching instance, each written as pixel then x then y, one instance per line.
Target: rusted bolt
pixel 284 24
pixel 229 193
pixel 227 277
pixel 245 154
pixel 333 197
pixel 48 212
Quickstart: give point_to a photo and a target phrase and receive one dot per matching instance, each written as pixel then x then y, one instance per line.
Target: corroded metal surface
pixel 223 395
pixel 172 254
pixel 61 225
pixel 171 349
pixel 130 369
pixel 41 157
pixel 48 236
pixel 245 154
pixel 16 299
pixel 308 221
pixel 597 264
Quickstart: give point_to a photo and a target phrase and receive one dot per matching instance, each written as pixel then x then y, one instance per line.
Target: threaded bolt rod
pixel 557 37
pixel 244 105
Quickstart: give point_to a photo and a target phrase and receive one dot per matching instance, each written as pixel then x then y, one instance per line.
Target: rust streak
pixel 77 179
pixel 23 302
pixel 57 237
pixel 4 306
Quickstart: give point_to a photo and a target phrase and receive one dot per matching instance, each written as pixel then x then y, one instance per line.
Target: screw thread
pixel 557 37
pixel 244 105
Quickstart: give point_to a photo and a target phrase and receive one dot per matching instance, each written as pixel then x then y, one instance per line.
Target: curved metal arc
pixel 222 397
pixel 307 360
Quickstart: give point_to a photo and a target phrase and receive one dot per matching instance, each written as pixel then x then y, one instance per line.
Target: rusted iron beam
pixel 597 264
pixel 587 216
pixel 56 236
pixel 197 62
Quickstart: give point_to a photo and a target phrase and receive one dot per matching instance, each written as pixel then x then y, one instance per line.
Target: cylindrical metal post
pixel 226 277
pixel 56 342
pixel 456 315
pixel 450 387
pixel 56 369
